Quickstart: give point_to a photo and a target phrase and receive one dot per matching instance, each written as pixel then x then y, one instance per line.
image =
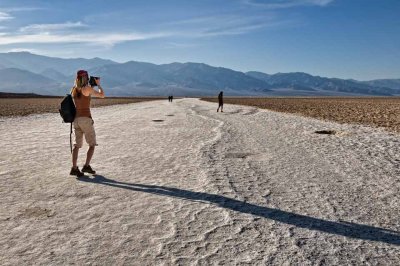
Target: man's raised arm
pixel 99 93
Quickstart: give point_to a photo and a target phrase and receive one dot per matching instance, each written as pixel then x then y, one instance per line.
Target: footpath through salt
pixel 179 183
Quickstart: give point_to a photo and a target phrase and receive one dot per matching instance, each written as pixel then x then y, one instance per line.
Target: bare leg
pixel 75 153
pixel 89 155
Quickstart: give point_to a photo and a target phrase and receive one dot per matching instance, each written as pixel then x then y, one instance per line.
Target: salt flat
pixel 179 183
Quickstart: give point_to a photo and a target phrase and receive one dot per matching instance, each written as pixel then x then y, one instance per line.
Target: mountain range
pixel 23 72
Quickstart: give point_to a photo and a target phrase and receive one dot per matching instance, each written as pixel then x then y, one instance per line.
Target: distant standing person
pixel 220 102
pixel 172 97
pixel 83 123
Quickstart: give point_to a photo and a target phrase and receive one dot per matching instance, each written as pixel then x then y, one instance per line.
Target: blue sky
pixel 357 39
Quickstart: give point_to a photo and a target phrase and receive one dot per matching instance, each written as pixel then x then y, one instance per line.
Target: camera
pixel 92 81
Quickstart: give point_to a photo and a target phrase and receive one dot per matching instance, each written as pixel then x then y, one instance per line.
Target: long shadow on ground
pixel 347 229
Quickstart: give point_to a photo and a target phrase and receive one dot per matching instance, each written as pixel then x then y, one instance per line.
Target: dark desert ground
pixel 378 112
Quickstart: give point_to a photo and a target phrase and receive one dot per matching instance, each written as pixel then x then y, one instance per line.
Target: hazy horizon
pixel 357 39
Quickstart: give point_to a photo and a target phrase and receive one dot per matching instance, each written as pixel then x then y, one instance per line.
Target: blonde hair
pixel 80 82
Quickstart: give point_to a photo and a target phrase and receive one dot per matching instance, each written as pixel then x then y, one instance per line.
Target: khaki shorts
pixel 84 126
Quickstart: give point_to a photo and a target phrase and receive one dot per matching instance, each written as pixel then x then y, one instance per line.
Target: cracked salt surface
pixel 199 188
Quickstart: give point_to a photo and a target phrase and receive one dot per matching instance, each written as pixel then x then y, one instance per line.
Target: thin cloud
pixel 213 26
pixel 103 39
pixel 20 9
pixel 274 4
pixel 5 16
pixel 180 45
pixel 5 12
pixel 52 27
pixel 241 29
pixel 200 27
pixel 220 20
pixel 204 20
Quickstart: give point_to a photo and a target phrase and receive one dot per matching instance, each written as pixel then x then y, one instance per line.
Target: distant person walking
pixel 83 123
pixel 220 102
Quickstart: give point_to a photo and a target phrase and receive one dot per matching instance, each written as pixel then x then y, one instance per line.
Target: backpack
pixel 67 111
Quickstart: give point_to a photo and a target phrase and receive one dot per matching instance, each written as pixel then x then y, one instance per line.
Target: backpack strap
pixel 70 132
pixel 70 138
